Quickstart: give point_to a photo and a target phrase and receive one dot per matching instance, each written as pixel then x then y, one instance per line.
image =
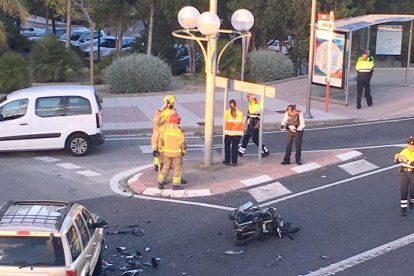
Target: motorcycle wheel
pixel 244 238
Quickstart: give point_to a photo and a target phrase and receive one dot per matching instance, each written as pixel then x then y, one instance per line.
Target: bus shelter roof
pixel 360 22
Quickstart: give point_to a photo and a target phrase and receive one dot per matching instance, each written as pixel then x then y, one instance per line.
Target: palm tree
pixel 11 7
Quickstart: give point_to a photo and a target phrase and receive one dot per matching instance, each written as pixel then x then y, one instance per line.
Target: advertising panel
pixel 389 40
pixel 321 59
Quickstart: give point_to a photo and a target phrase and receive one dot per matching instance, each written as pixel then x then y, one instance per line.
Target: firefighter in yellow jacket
pixel 406 158
pixel 171 142
pixel 159 119
pixel 233 131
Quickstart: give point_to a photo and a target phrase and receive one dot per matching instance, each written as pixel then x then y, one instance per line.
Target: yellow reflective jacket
pixel 409 155
pixel 171 141
pixel 159 119
pixel 364 66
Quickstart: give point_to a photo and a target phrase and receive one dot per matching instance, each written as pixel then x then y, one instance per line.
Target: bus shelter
pixel 384 34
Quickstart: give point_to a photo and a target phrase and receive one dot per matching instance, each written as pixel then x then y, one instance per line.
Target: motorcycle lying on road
pixel 250 222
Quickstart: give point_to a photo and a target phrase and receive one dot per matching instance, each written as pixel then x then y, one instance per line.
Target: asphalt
pixel 133 115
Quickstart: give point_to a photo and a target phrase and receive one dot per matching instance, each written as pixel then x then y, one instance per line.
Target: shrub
pixel 50 60
pixel 14 72
pixel 267 65
pixel 138 73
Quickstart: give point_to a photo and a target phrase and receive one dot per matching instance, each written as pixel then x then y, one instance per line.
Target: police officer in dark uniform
pixel 406 158
pixel 364 69
pixel 253 125
pixel 294 123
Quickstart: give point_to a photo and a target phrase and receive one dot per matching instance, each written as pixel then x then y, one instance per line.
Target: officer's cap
pixel 410 140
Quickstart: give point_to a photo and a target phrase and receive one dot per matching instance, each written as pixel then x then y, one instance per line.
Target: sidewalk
pixel 219 179
pixel 133 115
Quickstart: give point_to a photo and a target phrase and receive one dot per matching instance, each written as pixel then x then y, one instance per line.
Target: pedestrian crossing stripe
pixel 269 191
pixel 68 166
pixel 306 167
pixel 146 148
pixel 46 159
pixel 357 167
pixel 348 155
pixel 88 173
pixel 256 180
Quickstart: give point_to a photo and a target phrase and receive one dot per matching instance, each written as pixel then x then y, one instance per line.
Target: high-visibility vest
pixel 233 126
pixel 172 140
pixel 364 66
pixel 409 155
pixel 254 109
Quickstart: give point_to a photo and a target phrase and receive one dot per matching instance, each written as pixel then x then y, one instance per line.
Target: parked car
pixel 80 37
pixel 28 30
pixel 53 238
pixel 274 46
pixel 182 60
pixel 51 117
pixel 42 32
pixel 108 45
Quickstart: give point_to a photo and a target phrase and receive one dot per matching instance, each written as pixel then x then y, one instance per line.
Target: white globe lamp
pixel 187 17
pixel 242 20
pixel 208 23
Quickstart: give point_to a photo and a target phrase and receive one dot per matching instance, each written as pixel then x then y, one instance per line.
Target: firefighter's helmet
pixel 169 99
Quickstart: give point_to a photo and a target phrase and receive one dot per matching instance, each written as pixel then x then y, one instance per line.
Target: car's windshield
pixel 31 251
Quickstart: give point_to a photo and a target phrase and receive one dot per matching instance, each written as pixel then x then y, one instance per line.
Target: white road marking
pixel 363 257
pixel 176 193
pixel 69 166
pixel 328 185
pixel 306 167
pixel 46 159
pixel 349 155
pixel 357 167
pixel 88 173
pixel 269 191
pixel 256 180
pixel 116 188
pixel 146 148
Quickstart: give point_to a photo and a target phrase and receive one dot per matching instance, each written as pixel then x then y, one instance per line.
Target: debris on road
pixel 234 252
pixel 325 257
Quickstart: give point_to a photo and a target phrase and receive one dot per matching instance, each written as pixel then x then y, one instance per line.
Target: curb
pixel 130 181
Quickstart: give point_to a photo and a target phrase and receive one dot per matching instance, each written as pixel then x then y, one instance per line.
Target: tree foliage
pixel 11 7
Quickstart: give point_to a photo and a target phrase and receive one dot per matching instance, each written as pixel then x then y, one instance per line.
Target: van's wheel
pixel 78 144
pixel 98 268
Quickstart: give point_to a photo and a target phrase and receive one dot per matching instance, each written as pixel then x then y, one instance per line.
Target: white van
pixel 51 117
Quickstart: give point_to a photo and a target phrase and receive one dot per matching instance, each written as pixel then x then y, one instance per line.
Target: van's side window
pixel 78 105
pixel 50 107
pixel 14 110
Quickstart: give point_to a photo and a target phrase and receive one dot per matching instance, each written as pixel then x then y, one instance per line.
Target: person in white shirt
pixel 294 123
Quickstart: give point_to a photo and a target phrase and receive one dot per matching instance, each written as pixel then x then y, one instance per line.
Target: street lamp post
pixel 308 114
pixel 204 28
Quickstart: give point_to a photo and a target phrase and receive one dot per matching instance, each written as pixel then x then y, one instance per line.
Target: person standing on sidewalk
pixel 171 142
pixel 406 158
pixel 233 131
pixel 294 123
pixel 159 119
pixel 364 69
pixel 253 125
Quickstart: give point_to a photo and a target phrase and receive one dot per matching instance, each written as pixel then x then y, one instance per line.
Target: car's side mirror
pixel 100 223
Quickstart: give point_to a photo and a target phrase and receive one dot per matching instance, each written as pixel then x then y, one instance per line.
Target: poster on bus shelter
pixel 320 65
